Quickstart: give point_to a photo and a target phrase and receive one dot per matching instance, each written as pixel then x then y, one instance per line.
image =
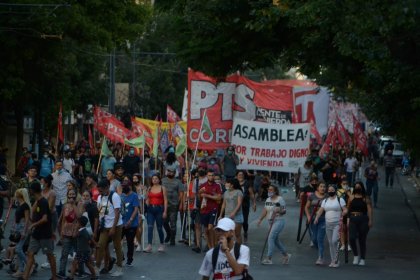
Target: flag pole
pixel 199 136
pixel 188 196
pixel 100 156
pixel 142 201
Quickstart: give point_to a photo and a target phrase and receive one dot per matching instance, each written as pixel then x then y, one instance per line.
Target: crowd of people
pixel 84 202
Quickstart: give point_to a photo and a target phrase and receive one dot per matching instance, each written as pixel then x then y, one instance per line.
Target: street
pixel 393 249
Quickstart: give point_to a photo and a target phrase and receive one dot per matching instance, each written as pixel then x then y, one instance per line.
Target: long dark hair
pixel 170 158
pixel 235 183
pixel 363 193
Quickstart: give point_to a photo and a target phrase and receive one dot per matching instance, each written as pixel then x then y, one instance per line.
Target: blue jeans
pixel 19 248
pixel 350 177
pixel 273 238
pixel 318 235
pixel 372 186
pixel 154 214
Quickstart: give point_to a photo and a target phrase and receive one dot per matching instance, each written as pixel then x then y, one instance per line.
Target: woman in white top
pixel 334 209
pixel 275 209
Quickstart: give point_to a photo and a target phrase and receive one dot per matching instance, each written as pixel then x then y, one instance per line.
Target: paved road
pixel 393 248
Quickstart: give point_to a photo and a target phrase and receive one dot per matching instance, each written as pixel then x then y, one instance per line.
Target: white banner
pixel 312 103
pixel 266 146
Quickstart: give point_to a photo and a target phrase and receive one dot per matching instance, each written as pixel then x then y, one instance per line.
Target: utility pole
pixel 111 99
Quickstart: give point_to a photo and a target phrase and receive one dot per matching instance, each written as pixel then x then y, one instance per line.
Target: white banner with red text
pixel 267 146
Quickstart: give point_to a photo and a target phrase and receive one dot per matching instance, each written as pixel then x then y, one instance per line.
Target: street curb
pixel 407 202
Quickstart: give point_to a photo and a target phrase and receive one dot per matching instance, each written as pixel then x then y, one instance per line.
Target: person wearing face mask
pixel 68 230
pixel 131 162
pixel 232 206
pixel 171 162
pixel 372 177
pixel 47 165
pixel 141 191
pixel 274 209
pixel 318 230
pixel 229 163
pixel 361 220
pixel 59 182
pixel 214 164
pixel 130 218
pixel 334 209
pixel 175 193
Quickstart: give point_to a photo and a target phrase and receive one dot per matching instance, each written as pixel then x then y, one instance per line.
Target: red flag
pixel 171 115
pixel 140 128
pixel 330 140
pixel 91 142
pixel 342 134
pixel 360 138
pixel 110 126
pixel 314 131
pixel 60 124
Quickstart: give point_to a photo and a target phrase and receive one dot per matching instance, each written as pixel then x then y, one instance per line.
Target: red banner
pixel 91 141
pixel 359 136
pixel 342 134
pixel 235 96
pixel 270 102
pixel 206 93
pixel 110 126
pixel 171 115
pixel 138 128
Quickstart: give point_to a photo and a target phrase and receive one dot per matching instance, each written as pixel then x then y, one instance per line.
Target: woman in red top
pixel 157 203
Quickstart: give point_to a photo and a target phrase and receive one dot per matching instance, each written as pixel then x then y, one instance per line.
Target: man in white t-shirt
pixel 110 225
pixel 226 266
pixel 351 165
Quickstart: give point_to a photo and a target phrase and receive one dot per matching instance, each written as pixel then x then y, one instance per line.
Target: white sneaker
pixel 138 248
pixel 349 248
pixel 342 248
pixel 267 261
pixel 118 272
pixel 362 262
pixel 356 260
pixel 45 265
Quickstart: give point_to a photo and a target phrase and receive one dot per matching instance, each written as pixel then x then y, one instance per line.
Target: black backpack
pixel 236 252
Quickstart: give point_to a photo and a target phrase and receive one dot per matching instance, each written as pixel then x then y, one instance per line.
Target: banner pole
pixel 100 156
pixel 142 202
pixel 199 136
pixel 188 196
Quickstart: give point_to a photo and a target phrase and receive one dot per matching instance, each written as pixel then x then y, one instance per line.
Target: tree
pixel 365 51
pixel 52 53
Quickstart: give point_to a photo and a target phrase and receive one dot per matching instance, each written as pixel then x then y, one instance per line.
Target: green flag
pixel 156 142
pixel 206 125
pixel 181 146
pixel 135 142
pixel 105 151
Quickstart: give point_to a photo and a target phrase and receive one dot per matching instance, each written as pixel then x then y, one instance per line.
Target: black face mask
pixel 170 176
pixel 331 194
pixel 357 191
pixel 126 189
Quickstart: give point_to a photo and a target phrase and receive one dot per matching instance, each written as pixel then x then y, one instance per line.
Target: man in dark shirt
pixel 41 237
pixel 131 162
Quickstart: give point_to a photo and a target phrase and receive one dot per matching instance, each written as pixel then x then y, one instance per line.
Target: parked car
pixel 398 152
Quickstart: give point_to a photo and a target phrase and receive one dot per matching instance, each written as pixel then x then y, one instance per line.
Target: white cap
pixel 226 224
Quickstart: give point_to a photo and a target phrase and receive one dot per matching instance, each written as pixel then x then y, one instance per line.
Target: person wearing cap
pixel 227 265
pixel 175 193
pixel 41 236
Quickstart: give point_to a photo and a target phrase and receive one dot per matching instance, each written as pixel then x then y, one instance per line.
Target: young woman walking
pixel 274 209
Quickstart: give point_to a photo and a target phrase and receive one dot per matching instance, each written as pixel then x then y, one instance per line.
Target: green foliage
pixel 365 51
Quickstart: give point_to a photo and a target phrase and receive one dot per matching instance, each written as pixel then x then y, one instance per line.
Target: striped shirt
pixel 60 187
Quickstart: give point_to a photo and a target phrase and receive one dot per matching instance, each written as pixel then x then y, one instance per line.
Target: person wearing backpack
pixel 228 260
pixel 110 225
